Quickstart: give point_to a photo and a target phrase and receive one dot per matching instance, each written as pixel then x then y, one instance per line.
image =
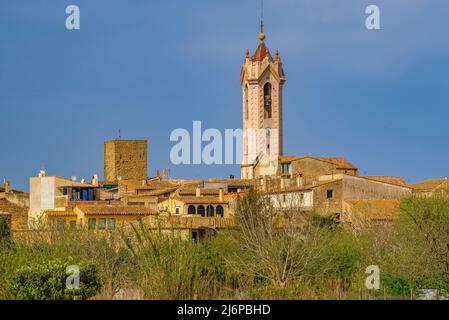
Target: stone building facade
pixel 125 160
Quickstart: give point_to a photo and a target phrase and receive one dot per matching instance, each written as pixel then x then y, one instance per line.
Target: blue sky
pixel 379 98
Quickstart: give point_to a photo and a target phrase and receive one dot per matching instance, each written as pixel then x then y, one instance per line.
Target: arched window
pixel 245 106
pixel 220 212
pixel 210 211
pixel 201 210
pixel 267 100
pixel 191 210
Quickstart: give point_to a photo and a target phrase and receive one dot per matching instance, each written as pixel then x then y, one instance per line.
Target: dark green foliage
pixel 396 286
pixel 47 281
pixel 5 229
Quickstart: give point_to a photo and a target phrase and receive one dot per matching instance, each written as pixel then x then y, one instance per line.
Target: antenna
pixel 261 16
pixel 119 134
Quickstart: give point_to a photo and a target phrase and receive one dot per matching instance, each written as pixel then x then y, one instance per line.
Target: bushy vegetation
pixel 269 255
pixel 47 281
pixel 5 231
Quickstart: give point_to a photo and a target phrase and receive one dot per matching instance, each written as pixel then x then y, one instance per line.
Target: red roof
pixel 261 53
pixel 342 163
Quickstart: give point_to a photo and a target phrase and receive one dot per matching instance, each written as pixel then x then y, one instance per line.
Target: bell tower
pixel 262 79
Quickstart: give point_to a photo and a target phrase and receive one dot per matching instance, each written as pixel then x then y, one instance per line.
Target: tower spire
pixel 262 34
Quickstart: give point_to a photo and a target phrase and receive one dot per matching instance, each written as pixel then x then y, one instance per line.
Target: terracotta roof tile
pixel 342 163
pixel 107 209
pixel 376 209
pixel 389 179
pixel 428 184
pixel 261 53
pixel 200 200
pixel 60 213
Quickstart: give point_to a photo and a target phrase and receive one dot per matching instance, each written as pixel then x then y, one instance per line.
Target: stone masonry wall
pixel 125 158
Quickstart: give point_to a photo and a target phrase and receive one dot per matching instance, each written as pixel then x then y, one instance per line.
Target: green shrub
pixel 5 229
pixel 396 285
pixel 438 281
pixel 47 281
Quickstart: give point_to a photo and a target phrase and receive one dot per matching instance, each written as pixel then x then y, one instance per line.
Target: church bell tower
pixel 262 79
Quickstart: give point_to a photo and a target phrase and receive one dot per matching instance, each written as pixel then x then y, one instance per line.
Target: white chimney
pixel 198 192
pixel 95 180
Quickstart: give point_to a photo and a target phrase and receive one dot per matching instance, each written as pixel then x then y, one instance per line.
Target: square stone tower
pixel 125 160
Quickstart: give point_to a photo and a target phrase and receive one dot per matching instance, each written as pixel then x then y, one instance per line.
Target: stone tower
pixel 125 160
pixel 262 79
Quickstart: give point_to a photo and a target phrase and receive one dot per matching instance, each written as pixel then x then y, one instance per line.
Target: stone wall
pixel 311 169
pixel 359 188
pixel 323 204
pixel 19 215
pixel 126 159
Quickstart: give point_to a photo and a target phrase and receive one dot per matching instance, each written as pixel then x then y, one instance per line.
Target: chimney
pixel 198 192
pixel 95 180
pixel 7 186
pixel 220 195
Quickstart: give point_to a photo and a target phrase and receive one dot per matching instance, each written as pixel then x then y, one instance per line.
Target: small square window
pixel 101 224
pixel 330 194
pixel 111 224
pixel 92 223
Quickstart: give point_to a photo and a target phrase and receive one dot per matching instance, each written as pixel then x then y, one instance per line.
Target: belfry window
pixel 267 100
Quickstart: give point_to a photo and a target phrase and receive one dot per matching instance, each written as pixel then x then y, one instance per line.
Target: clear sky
pixel 379 98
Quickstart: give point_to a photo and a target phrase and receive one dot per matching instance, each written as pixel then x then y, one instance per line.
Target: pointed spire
pixel 247 53
pixel 262 34
pixel 276 56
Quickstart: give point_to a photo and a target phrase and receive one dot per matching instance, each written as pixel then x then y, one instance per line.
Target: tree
pixel 425 222
pixel 276 247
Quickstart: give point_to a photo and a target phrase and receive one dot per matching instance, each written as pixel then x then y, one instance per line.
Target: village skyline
pixel 351 92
